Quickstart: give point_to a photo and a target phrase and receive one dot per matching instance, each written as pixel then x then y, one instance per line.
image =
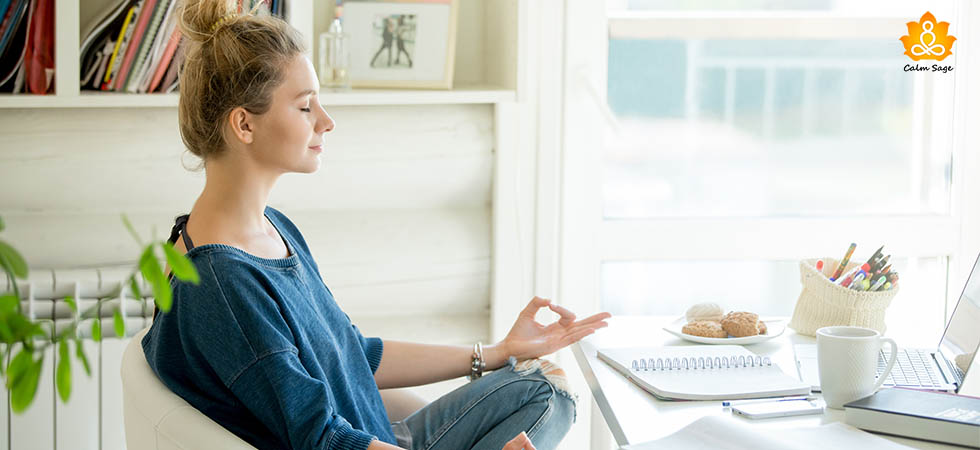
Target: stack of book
pixel 932 416
pixel 134 47
pixel 27 46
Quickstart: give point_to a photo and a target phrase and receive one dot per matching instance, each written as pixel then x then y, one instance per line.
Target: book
pixel 117 84
pixel 716 372
pixel 122 43
pixel 728 433
pixel 135 77
pixel 927 415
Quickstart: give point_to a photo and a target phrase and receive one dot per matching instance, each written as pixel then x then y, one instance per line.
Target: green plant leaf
pixel 131 229
pixel 80 353
pixel 151 269
pixel 97 330
pixel 9 303
pixel 22 328
pixel 63 372
pixel 12 261
pixel 18 366
pixel 22 392
pixel 134 287
pixel 120 326
pixel 181 266
pixel 71 303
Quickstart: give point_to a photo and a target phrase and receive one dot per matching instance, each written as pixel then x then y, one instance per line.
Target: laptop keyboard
pixel 914 367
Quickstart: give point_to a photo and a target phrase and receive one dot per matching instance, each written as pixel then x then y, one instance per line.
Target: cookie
pixel 704 311
pixel 762 327
pixel 704 328
pixel 741 323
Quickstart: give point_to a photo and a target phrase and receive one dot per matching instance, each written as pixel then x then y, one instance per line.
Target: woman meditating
pixel 260 345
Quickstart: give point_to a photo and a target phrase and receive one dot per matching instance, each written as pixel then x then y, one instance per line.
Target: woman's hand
pixel 520 442
pixel 530 339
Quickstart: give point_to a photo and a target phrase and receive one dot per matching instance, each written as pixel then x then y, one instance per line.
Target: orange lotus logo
pixel 928 39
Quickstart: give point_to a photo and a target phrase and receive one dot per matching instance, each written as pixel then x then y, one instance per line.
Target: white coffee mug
pixel 848 358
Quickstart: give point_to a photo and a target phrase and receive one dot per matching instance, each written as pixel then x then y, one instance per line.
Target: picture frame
pixel 401 43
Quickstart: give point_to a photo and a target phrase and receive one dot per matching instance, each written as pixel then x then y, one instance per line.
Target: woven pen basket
pixel 823 303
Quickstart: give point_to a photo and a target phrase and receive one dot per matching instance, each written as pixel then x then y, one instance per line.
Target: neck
pixel 235 195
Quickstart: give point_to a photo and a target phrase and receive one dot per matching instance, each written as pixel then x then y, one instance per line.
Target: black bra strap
pixel 180 228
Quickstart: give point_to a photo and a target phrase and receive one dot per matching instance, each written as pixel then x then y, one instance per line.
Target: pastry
pixel 704 328
pixel 741 323
pixel 762 327
pixel 704 311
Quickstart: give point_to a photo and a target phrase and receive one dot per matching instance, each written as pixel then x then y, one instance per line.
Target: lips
pixel 316 148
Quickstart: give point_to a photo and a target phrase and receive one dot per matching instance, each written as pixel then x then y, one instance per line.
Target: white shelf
pixel 92 99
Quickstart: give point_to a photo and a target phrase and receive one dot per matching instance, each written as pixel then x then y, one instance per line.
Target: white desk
pixel 634 416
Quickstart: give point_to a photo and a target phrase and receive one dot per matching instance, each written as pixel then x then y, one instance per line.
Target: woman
pixel 260 345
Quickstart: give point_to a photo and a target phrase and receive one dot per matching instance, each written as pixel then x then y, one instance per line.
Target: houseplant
pixel 30 337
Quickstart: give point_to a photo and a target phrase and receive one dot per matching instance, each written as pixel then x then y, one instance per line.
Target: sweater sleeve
pixel 373 348
pixel 277 389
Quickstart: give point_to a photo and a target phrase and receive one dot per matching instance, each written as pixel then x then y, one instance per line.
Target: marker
pixel 850 273
pixel 820 265
pixel 843 262
pixel 878 284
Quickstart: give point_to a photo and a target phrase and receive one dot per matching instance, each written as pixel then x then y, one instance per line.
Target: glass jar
pixel 335 57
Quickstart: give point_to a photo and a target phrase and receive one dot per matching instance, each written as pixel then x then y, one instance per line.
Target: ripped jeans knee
pixel 552 372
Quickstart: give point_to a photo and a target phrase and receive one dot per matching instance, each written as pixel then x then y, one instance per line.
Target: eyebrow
pixel 306 92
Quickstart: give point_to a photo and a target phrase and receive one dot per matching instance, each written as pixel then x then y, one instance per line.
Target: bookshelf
pixel 487 67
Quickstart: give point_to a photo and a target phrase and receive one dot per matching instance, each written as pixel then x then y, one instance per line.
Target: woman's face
pixel 290 135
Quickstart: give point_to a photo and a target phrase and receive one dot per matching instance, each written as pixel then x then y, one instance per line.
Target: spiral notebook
pixel 716 372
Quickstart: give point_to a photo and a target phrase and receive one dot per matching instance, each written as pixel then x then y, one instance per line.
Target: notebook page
pixel 723 383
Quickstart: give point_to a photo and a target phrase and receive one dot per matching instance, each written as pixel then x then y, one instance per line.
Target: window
pixel 740 137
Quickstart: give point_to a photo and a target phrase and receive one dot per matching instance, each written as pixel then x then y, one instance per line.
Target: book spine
pixel 134 44
pixel 123 36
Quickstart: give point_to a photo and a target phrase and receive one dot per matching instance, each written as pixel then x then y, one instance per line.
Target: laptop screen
pixel 962 336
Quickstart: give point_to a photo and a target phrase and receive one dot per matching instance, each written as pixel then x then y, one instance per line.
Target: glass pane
pixel 769 128
pixel 916 315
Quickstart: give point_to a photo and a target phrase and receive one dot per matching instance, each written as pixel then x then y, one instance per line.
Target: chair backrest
pixel 156 418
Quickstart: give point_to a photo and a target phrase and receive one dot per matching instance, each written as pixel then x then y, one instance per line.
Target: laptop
pixel 937 369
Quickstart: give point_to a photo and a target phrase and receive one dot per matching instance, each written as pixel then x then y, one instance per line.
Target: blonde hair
pixel 230 60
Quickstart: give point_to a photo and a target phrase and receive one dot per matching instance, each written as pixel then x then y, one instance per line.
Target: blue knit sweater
pixel 261 347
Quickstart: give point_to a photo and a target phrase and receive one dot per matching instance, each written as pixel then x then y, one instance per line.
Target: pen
pixel 875 255
pixel 843 262
pixel 881 281
pixel 728 403
pixel 848 277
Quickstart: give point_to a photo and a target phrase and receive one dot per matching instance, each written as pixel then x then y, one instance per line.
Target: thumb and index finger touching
pixel 567 318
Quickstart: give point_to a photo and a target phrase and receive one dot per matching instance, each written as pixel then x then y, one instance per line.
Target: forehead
pixel 298 79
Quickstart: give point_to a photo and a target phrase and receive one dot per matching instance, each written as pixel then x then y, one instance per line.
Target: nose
pixel 324 123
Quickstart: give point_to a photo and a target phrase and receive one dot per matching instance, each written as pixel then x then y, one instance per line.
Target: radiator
pixel 92 418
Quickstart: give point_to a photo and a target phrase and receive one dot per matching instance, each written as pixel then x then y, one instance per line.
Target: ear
pixel 242 125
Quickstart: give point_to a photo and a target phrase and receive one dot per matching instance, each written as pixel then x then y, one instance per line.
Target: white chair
pixel 156 418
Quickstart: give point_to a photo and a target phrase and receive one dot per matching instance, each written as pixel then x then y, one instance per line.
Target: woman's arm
pixel 405 364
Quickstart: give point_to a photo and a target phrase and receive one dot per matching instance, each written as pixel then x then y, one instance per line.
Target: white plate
pixel 774 327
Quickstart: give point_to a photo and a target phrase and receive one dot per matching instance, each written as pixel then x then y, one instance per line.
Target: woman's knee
pixel 555 382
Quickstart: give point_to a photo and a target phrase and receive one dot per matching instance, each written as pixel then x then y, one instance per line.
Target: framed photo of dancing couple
pixel 401 43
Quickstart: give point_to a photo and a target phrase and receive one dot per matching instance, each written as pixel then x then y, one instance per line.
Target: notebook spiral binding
pixel 700 363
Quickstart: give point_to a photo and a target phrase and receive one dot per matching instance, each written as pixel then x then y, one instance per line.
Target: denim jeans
pixel 487 413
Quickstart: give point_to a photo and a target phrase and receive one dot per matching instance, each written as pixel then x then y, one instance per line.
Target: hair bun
pixel 199 19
